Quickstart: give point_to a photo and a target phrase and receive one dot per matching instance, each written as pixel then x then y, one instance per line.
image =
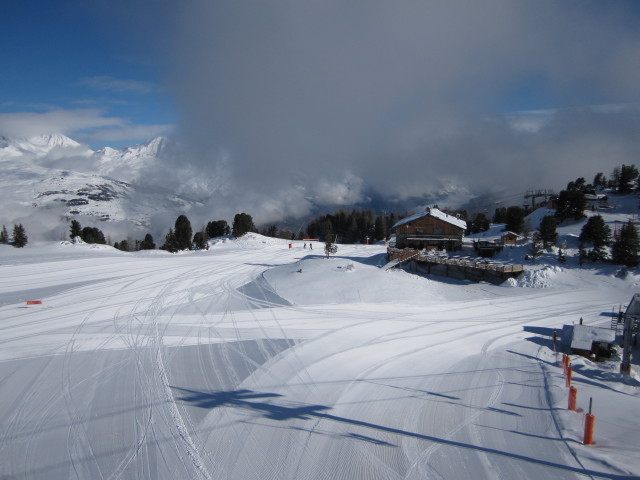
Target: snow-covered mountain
pixel 51 178
pixel 40 146
pixel 62 152
pixel 128 162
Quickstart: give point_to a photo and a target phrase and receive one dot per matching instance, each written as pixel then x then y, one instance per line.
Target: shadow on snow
pixel 250 400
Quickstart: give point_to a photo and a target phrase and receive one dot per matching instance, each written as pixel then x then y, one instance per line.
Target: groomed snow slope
pixel 258 361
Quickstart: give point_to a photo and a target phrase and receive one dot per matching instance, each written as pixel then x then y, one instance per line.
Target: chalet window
pixel 419 230
pixel 438 230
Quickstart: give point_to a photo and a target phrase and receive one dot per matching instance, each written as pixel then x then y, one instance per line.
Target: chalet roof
pixel 433 212
pixel 585 335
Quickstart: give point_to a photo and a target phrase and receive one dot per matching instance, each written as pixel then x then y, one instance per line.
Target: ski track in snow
pixel 197 366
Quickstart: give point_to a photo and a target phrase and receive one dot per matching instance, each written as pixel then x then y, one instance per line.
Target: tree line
pixel 365 226
pixel 180 236
pixel 596 242
pixel 18 238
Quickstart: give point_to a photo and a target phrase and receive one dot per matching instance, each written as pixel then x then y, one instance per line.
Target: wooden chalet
pixel 510 238
pixel 431 229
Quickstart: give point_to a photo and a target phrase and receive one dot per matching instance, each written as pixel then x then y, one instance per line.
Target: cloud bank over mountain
pixel 287 105
pixel 326 100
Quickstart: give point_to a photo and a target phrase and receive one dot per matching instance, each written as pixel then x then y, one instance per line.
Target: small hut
pixel 588 341
pixel 509 238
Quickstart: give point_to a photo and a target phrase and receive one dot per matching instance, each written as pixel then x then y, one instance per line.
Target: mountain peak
pixel 54 140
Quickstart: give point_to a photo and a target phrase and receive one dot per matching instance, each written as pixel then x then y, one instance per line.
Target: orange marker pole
pixel 589 421
pixel 569 372
pixel 34 302
pixel 573 397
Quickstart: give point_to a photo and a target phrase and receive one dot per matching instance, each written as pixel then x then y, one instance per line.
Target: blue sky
pixel 76 68
pixel 327 99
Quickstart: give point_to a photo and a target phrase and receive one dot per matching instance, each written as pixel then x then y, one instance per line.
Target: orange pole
pixel 569 372
pixel 573 397
pixel 589 420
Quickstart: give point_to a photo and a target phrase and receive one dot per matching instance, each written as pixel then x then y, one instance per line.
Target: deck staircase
pixel 404 257
pixel 614 322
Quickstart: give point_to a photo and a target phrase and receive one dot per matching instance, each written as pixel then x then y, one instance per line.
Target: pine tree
pixel 271 231
pixel 147 243
pixel 93 235
pixel 19 236
pixel 170 243
pixel 597 233
pixel 535 250
pixel 515 219
pixel 218 228
pixel 183 233
pixel 4 235
pixel 614 181
pixel 628 179
pixel 480 223
pixel 75 230
pixel 242 223
pixel 599 180
pixel 548 233
pixel 500 215
pixel 582 253
pixel 580 184
pixel 570 204
pixel 200 240
pixel 380 229
pixel 330 248
pixel 624 250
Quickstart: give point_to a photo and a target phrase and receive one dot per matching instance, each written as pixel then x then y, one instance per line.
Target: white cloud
pixel 124 133
pixel 110 84
pixel 66 122
pixel 87 125
pixel 529 121
pixel 348 191
pixel 400 95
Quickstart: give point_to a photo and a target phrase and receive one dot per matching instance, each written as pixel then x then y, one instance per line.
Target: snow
pixel 253 360
pixel 585 335
pixel 433 212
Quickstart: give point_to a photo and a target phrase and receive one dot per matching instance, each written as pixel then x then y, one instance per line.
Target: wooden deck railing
pixel 479 263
